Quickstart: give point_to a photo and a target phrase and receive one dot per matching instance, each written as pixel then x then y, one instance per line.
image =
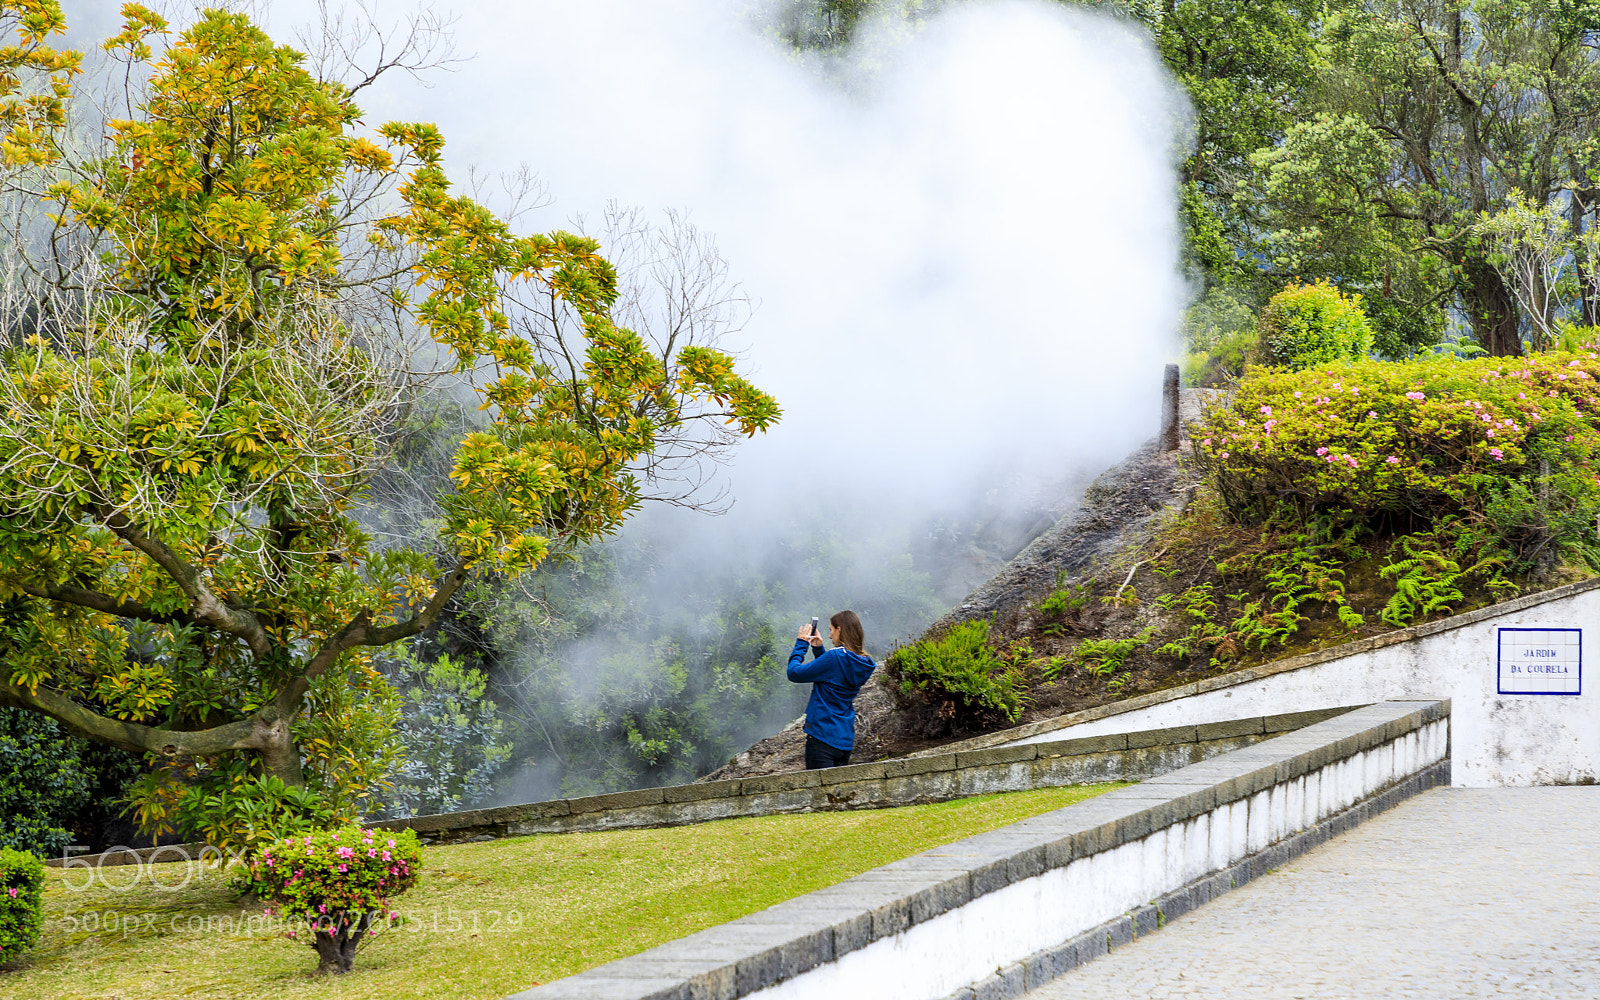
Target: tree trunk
pixel 280 758
pixel 336 938
pixel 1492 310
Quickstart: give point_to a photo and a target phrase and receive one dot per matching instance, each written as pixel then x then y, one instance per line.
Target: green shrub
pixel 1219 335
pixel 337 885
pixel 56 788
pixel 1507 449
pixel 21 902
pixel 453 737
pixel 962 674
pixel 1308 325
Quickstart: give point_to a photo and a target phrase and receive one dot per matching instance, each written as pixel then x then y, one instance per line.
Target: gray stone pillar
pixel 1169 409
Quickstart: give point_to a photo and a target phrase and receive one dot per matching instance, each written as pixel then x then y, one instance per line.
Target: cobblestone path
pixel 1456 893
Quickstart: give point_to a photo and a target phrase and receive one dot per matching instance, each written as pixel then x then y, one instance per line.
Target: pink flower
pixel 372 852
pixel 1352 461
pixel 1489 432
pixel 1572 364
pixel 1415 395
pixel 386 855
pixel 322 907
pixel 343 869
pixel 1296 395
pixel 1206 442
pixel 1266 411
pixel 346 852
pixel 1522 395
pixel 391 843
pixel 1392 460
pixel 1497 454
pixel 1322 451
pixel 13 893
pixel 1223 455
pixel 1372 413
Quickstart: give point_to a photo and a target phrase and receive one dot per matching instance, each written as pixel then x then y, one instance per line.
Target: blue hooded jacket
pixel 835 677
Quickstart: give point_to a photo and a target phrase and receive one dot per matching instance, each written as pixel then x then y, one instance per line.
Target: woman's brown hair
pixel 850 632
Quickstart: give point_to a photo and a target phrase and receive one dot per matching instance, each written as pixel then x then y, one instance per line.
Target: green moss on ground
pixel 578 900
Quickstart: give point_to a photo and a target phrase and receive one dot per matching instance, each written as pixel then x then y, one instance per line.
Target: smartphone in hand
pixel 814 622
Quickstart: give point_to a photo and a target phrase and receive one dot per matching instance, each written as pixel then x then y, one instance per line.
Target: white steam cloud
pixel 969 255
pixel 961 238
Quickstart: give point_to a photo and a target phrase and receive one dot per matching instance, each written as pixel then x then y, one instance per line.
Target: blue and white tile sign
pixel 1541 661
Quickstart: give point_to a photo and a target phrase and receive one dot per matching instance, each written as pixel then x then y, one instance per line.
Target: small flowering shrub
pixel 337 884
pixel 1308 325
pixel 21 902
pixel 1501 449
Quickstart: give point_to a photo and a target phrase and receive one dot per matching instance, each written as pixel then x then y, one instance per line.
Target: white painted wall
pixel 1498 739
pixel 960 947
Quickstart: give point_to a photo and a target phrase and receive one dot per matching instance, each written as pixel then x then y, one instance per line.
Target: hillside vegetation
pixel 1324 505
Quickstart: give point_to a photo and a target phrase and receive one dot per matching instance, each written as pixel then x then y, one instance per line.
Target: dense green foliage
pixel 21 902
pixel 1504 450
pixel 966 680
pixel 451 734
pixel 1308 325
pixel 337 885
pixel 56 788
pixel 1484 470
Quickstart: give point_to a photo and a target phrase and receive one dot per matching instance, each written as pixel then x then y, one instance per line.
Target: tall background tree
pixel 1430 114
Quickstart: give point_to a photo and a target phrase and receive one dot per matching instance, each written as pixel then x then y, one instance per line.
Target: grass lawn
pixel 487 919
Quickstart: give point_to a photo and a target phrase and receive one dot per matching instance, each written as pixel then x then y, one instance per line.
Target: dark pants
pixel 820 754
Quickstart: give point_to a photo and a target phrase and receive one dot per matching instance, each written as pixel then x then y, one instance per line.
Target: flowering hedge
pixel 1510 442
pixel 338 883
pixel 21 902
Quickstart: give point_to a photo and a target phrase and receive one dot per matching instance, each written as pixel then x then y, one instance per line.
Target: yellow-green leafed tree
pixel 210 328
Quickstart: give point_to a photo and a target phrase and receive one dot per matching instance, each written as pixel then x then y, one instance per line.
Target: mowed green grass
pixel 487 919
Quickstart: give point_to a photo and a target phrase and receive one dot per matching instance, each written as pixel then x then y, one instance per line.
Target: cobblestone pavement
pixel 1491 892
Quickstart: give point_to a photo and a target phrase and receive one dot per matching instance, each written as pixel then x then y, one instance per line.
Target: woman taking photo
pixel 835 678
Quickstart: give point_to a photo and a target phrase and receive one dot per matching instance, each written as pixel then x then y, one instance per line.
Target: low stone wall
pixel 1003 912
pixel 165 854
pixel 881 784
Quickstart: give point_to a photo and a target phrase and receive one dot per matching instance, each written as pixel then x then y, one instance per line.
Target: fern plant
pixel 1424 581
pixel 962 669
pixel 1102 657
